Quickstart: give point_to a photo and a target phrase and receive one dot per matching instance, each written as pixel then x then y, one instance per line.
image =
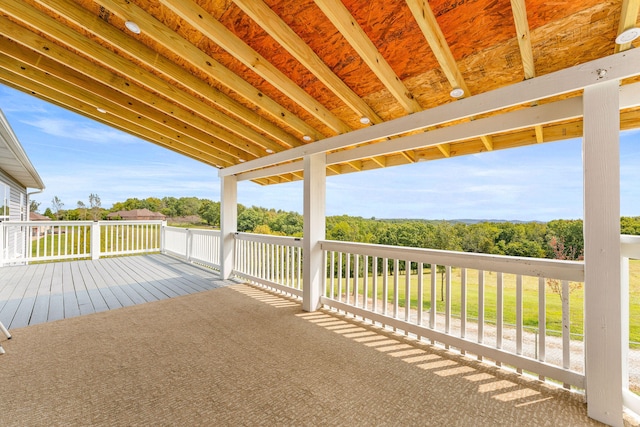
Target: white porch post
pixel 1 244
pixel 314 229
pixel 95 240
pixel 603 297
pixel 228 223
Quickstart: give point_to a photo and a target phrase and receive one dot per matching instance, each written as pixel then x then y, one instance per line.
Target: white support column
pixel 314 229
pixel 163 237
pixel 603 297
pixel 228 223
pixel 95 240
pixel 1 244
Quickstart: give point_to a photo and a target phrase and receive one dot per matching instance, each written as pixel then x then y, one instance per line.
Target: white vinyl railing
pixel 483 308
pixel 273 261
pixel 471 302
pixel 129 237
pixel 195 245
pixel 512 311
pixel 629 249
pixel 34 241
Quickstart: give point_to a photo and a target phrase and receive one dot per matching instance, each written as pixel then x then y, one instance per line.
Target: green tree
pixel 50 214
pixel 569 235
pixel 630 225
pixel 287 223
pixel 210 212
pixel 478 238
pixel 250 218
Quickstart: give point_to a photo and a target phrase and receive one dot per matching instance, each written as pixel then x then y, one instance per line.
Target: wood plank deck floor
pixel 40 293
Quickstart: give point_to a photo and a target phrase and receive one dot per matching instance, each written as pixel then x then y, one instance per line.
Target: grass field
pixel 529 299
pixel 77 241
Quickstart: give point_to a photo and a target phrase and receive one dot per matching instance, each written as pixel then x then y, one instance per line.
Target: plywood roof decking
pixel 226 82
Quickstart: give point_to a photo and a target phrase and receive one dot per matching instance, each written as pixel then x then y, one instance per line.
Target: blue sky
pixel 76 156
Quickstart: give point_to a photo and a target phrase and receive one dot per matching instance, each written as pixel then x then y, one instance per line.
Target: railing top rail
pixel 275 240
pixel 130 222
pixel 47 223
pixel 204 231
pixel 627 239
pixel 552 269
pixel 193 230
pixel 630 246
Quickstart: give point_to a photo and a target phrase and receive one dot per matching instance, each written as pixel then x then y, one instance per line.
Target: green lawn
pixel 78 242
pixel 529 299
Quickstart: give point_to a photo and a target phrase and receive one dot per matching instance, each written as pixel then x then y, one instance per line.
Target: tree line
pixel 559 239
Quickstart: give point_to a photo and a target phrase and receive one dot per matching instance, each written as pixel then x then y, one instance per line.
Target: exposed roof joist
pixel 227 82
pixel 355 35
pixel 619 66
pixel 442 138
pixel 213 29
pixel 283 34
pixel 171 41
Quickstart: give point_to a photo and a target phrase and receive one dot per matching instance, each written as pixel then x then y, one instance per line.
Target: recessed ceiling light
pixel 306 138
pixel 365 120
pixel 241 160
pixel 132 26
pixel 269 150
pixel 101 110
pixel 627 36
pixel 456 92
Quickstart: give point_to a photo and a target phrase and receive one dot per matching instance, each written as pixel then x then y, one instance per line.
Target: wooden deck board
pixel 175 282
pixel 190 279
pixel 56 301
pixel 69 296
pixel 97 298
pixel 157 287
pixel 22 315
pixel 38 293
pixel 41 306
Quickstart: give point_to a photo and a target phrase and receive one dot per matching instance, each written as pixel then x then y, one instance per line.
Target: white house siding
pixel 14 239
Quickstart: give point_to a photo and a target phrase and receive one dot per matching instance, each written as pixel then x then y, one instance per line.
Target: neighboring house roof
pixel 136 214
pixel 37 217
pixel 13 159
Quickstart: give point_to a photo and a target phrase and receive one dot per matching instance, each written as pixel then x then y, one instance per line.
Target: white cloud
pixel 80 130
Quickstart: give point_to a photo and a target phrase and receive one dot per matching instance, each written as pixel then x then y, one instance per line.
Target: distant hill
pixel 457 221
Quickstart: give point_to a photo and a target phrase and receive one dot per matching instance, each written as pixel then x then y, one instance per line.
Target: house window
pixel 5 196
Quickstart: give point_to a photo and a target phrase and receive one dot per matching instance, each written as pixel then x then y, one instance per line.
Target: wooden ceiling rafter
pixel 487 141
pixel 346 24
pixel 539 134
pixel 381 161
pixel 99 54
pixel 46 54
pixel 135 49
pixel 426 20
pixel 423 15
pixel 62 100
pixel 409 155
pixel 524 37
pixel 170 40
pixel 445 149
pixel 213 29
pixel 210 97
pixel 628 19
pixel 115 103
pixel 264 16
